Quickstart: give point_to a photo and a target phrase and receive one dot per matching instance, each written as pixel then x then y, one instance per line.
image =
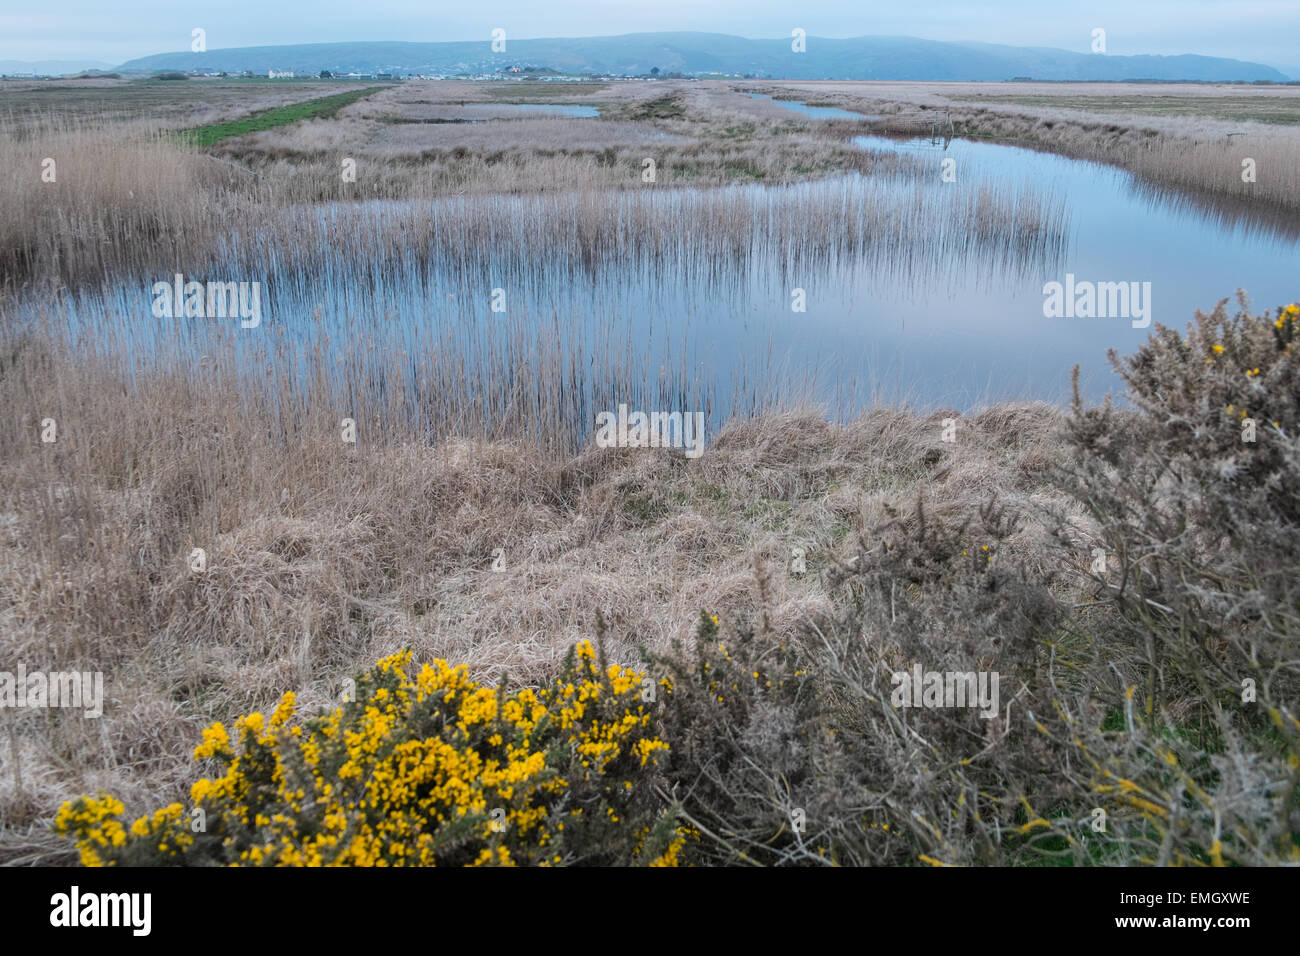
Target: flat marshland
pixel 397 454
pixel 1190 136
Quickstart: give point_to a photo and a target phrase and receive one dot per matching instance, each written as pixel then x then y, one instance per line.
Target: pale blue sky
pixel 1266 31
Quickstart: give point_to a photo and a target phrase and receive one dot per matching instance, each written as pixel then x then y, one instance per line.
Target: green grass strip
pixel 322 108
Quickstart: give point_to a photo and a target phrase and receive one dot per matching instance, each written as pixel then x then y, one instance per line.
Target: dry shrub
pixel 1195 503
pixel 810 762
pixel 1154 723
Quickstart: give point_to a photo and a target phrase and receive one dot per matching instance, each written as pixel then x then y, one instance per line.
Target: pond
pixel 1192 254
pixel 926 281
pixel 811 112
pixel 547 109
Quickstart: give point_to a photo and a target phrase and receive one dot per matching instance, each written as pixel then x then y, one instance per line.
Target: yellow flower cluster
pixel 1287 327
pixel 95 820
pixel 424 768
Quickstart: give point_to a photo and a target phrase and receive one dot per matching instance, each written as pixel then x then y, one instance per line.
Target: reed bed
pixel 576 231
pixel 382 312
pixel 1215 165
pixel 121 205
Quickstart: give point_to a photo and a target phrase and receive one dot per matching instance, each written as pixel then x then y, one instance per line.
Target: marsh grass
pixel 382 310
pixel 323 555
pixel 324 107
pixel 120 206
pixel 1279 110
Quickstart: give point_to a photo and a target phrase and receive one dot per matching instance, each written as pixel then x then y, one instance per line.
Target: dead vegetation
pixel 321 556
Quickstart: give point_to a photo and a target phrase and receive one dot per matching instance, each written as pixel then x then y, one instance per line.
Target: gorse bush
pixel 796 753
pixel 1196 501
pixel 1154 723
pixel 423 768
pixel 750 749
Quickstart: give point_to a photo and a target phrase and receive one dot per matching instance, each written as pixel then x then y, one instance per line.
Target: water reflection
pixel 919 282
pixel 811 112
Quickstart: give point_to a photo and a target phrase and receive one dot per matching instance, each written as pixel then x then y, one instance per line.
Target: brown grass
pixel 126 203
pixel 324 556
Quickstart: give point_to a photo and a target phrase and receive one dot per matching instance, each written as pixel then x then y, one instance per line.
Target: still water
pixel 811 112
pixel 546 109
pixel 963 337
pixel 923 281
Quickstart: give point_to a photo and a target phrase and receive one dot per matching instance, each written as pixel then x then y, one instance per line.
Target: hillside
pixel 859 58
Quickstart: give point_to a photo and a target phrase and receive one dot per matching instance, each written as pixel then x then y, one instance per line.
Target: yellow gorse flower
pixel 428 768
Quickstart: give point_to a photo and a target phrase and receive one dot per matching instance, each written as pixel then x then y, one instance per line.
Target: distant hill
pixel 51 67
pixel 860 58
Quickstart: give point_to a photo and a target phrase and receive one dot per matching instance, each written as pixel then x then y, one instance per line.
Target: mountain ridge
pixel 856 58
pixel 57 67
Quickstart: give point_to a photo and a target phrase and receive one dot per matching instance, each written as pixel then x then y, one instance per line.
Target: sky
pixel 113 31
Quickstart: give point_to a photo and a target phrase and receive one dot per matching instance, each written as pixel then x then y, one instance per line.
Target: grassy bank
pixel 323 108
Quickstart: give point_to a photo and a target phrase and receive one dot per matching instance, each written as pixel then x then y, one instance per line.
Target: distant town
pixel 532 74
